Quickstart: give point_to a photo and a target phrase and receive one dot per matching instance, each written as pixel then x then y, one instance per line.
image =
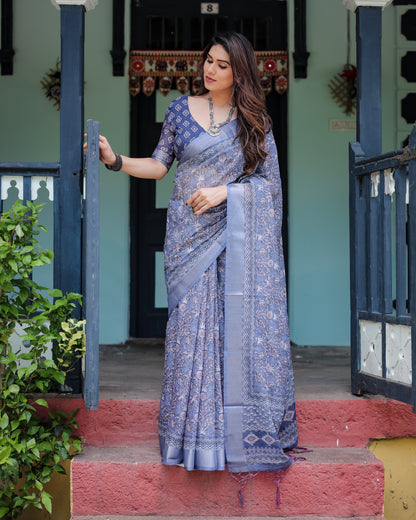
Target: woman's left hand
pixel 206 198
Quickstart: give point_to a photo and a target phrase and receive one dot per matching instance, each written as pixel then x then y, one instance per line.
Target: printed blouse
pixel 178 130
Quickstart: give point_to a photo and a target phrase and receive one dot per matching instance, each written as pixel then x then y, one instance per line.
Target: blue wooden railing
pixel 27 178
pixel 383 272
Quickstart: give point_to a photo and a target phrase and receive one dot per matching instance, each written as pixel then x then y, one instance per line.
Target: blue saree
pixel 228 390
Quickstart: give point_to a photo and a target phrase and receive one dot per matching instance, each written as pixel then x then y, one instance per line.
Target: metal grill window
pixel 167 33
pixel 164 33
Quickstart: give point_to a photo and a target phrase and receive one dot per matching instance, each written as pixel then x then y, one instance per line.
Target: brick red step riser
pixel 339 423
pixel 153 489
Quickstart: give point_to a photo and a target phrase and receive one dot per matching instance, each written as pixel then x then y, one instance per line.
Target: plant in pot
pixel 32 447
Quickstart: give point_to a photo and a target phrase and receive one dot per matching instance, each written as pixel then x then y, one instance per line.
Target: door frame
pixel 146 231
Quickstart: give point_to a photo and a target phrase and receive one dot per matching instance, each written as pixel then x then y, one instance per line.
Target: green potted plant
pixel 32 448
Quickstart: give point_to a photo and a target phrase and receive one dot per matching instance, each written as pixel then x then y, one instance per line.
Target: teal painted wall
pixel 29 131
pixel 107 101
pixel 318 159
pixel 318 177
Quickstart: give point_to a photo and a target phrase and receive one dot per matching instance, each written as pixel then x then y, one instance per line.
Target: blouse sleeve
pixel 164 151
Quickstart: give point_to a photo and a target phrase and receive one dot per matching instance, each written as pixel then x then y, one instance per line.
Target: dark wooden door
pixel 162 25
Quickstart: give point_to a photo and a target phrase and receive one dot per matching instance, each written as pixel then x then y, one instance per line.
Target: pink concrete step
pixel 337 423
pixel 334 482
pixel 303 517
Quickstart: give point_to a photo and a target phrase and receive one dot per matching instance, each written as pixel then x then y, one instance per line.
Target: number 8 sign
pixel 210 8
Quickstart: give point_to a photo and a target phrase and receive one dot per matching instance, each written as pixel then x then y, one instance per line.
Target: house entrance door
pixel 161 25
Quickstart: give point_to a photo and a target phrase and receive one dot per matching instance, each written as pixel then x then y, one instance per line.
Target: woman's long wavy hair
pixel 248 96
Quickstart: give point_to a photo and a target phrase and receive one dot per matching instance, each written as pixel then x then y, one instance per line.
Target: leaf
pixel 14 425
pixel 45 259
pixel 14 389
pixel 31 443
pixel 36 453
pixel 13 265
pixel 49 363
pixel 4 421
pixel 60 469
pixel 21 372
pixel 23 295
pixel 42 402
pixel 5 454
pixel 55 293
pixel 31 369
pixel 46 471
pixel 59 377
pixel 3 511
pixel 27 416
pixel 46 501
pixel 44 446
pixel 40 385
pixel 26 249
pixel 19 231
pixel 63 453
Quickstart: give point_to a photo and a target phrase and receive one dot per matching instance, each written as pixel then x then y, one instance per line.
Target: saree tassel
pixel 293 453
pixel 242 479
pixel 276 477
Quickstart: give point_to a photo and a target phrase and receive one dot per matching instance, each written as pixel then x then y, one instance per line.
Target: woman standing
pixel 228 392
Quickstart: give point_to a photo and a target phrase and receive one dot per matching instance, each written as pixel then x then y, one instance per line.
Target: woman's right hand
pixel 107 156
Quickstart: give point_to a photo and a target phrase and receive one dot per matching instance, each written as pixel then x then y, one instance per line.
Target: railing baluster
pixel 411 238
pixel 360 246
pixel 27 189
pixel 401 253
pixel 373 257
pixel 387 306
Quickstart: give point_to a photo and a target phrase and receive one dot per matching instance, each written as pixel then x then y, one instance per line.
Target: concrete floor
pixel 135 370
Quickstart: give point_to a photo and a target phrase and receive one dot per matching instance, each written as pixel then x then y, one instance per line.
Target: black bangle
pixel 116 167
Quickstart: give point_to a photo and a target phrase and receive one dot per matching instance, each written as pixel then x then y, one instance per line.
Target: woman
pixel 228 394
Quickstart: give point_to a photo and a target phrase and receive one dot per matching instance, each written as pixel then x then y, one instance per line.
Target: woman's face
pixel 218 74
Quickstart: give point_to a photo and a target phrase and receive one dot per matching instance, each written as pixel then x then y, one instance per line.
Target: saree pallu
pixel 228 390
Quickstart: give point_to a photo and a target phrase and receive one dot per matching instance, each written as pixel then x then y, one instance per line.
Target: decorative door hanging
pixel 165 70
pixel 343 85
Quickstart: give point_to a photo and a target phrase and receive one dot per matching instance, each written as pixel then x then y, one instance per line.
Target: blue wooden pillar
pixel 368 29
pixel 369 135
pixel 68 229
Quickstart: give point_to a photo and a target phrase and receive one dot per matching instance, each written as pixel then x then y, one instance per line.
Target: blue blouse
pixel 178 130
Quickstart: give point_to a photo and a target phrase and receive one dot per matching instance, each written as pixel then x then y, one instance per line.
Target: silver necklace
pixel 215 129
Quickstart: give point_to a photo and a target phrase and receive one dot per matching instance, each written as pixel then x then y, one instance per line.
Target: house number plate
pixel 210 8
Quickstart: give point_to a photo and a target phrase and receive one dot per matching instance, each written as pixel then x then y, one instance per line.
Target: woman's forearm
pixel 143 168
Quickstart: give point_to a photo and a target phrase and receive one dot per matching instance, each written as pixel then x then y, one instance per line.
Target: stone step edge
pixel 210 517
pixel 349 423
pixel 149 453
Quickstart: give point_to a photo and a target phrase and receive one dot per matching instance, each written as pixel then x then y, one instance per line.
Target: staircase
pixel 119 474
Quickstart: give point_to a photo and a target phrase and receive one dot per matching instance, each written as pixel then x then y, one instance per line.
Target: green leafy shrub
pixel 31 448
